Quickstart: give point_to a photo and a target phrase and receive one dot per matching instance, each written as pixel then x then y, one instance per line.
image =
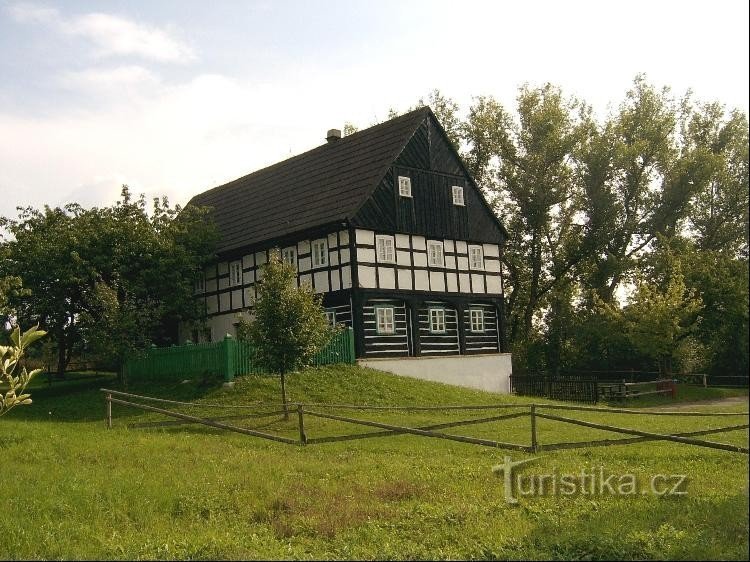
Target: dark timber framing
pixel 346 193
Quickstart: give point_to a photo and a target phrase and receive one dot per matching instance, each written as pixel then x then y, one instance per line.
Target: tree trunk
pixel 283 397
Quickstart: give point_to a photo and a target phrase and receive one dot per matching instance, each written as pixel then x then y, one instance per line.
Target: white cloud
pixel 109 34
pixel 109 80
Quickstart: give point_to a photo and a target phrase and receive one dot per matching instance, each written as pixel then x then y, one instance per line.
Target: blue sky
pixel 175 97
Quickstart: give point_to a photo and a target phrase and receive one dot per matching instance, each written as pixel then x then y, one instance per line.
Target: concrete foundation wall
pixel 485 372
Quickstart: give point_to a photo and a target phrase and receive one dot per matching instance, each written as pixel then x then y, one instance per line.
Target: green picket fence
pixel 227 358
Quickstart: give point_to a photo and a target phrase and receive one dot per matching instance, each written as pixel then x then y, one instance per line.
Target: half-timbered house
pixel 386 223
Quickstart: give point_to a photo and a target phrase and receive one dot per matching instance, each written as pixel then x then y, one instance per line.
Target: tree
pixel 45 255
pixel 10 359
pixel 108 279
pixel 537 194
pixel 288 326
pixel 718 216
pixel 660 316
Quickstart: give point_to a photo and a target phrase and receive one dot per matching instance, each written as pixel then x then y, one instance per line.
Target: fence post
pixel 109 411
pixel 534 442
pixel 350 345
pixel 300 417
pixel 228 350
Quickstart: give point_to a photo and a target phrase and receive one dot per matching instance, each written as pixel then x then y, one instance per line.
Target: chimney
pixel 333 135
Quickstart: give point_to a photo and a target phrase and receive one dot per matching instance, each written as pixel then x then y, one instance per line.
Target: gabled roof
pixel 324 185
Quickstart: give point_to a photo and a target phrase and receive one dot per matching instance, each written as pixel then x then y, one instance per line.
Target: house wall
pixel 414 335
pixel 411 271
pixel 221 294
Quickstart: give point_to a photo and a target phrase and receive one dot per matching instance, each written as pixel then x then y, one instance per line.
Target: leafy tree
pixel 288 326
pixel 109 279
pixel 718 217
pixel 44 253
pixel 537 195
pixel 10 359
pixel 723 281
pixel 660 317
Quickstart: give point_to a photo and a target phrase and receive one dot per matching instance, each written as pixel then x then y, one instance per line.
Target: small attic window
pixel 458 195
pixel 404 186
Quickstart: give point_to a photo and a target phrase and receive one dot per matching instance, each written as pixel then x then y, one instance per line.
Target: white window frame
pixel 458 195
pixel 476 265
pixel 331 317
pixel 235 273
pixel 289 255
pixel 319 259
pixel 435 244
pixel 404 186
pixel 385 320
pixel 382 243
pixel 476 320
pixel 436 318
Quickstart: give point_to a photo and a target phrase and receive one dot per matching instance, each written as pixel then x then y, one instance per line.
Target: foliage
pixel 108 279
pixel 657 321
pixel 10 359
pixel 288 326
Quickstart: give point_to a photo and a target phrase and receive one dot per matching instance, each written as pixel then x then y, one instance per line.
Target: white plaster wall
pixel 490 372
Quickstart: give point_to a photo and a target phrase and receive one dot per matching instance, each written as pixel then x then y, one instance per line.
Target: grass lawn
pixel 76 490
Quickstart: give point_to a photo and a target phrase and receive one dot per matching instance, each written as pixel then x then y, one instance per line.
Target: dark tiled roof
pixel 324 185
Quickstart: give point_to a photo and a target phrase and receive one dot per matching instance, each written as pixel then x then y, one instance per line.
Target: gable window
pixel 289 255
pixel 437 320
pixel 331 317
pixel 476 318
pixel 384 318
pixel 458 195
pixel 385 247
pixel 404 186
pixel 476 257
pixel 320 252
pixel 435 256
pixel 235 273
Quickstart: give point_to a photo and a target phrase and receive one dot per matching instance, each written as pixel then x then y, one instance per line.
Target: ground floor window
pixel 476 316
pixel 384 317
pixel 331 317
pixel 437 320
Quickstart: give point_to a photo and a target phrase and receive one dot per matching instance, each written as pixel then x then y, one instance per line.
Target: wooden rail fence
pixel 535 412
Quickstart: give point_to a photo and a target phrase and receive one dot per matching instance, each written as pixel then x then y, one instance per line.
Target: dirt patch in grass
pixel 310 510
pixel 398 490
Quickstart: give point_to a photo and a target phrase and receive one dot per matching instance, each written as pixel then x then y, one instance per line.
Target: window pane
pixel 319 253
pixel 437 320
pixel 385 320
pixel 435 254
pixel 477 320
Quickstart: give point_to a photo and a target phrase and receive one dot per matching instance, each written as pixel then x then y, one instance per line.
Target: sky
pixel 175 97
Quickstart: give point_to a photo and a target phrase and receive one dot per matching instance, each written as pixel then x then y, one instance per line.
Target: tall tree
pixel 537 195
pixel 718 217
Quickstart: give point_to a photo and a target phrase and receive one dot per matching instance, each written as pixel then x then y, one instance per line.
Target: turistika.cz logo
pixel 588 482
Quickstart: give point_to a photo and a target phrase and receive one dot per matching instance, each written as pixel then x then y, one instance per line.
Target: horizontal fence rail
pixel 226 358
pixel 534 412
